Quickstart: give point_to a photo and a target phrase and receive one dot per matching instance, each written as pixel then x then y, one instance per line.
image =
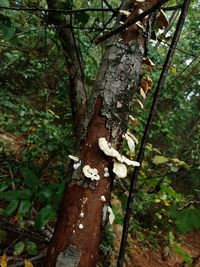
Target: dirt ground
pixel 140 256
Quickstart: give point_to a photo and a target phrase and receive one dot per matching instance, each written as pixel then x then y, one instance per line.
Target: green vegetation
pixel 36 130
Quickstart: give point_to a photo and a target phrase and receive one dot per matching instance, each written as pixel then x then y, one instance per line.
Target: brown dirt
pixel 139 255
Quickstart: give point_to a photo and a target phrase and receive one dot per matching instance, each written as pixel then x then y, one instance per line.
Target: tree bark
pixel 83 214
pixel 74 66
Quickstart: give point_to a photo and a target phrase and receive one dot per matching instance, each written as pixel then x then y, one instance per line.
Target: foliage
pixel 36 127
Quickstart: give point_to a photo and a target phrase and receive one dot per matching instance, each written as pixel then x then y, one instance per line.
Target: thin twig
pixel 172 19
pixel 178 49
pixel 22 232
pixel 52 10
pixel 152 113
pixel 130 22
pixel 188 204
pixel 182 86
pixel 38 257
pixel 171 8
pixel 108 5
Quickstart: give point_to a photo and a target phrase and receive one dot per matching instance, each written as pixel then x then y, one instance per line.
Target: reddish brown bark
pixel 79 199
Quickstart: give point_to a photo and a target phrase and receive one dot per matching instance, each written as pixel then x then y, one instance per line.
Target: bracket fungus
pixel 103 198
pixel 74 158
pixel 120 170
pixel 111 216
pixel 128 162
pixel 130 142
pixel 77 162
pixel 106 147
pixel 91 173
pixel 106 172
pixel 133 137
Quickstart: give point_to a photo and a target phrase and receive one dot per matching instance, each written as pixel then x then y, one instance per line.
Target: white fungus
pixel 103 198
pixel 125 12
pixel 120 170
pixel 130 142
pixel 80 226
pixel 140 103
pixel 77 165
pixel 106 147
pixel 74 158
pixel 140 11
pixel 111 216
pixel 133 137
pixel 82 214
pixel 91 173
pixel 106 172
pixel 129 162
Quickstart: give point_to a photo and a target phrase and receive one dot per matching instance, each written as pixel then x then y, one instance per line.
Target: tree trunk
pixel 83 213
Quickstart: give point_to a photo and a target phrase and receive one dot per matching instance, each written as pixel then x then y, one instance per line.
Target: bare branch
pixel 152 113
pixel 55 10
pixel 188 204
pixel 108 5
pixel 170 8
pixel 35 258
pixel 130 22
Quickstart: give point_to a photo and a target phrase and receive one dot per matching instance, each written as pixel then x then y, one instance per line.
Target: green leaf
pixel 18 248
pixel 12 206
pixel 31 248
pixel 159 160
pixel 3 235
pixel 186 220
pixel 8 32
pixel 4 3
pixel 123 198
pixel 5 20
pixel 24 207
pixel 82 17
pixel 170 191
pixel 44 216
pixel 184 254
pixel 4 185
pixel 30 178
pixel 16 194
pixel 65 5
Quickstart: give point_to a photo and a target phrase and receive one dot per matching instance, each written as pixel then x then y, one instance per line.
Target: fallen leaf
pixel 28 263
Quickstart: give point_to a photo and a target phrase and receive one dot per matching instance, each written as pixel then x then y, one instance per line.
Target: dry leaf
pixel 162 21
pixel 139 26
pixel 3 260
pixel 28 263
pixel 139 103
pixel 142 93
pixel 147 64
pixel 133 120
pixel 153 35
pixel 146 84
pixel 125 12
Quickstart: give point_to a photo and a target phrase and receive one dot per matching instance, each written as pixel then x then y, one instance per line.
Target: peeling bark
pixel 82 215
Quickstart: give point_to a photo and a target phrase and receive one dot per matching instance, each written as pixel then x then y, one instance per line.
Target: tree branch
pixel 152 113
pixel 56 10
pixel 170 8
pixel 130 22
pixel 74 63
